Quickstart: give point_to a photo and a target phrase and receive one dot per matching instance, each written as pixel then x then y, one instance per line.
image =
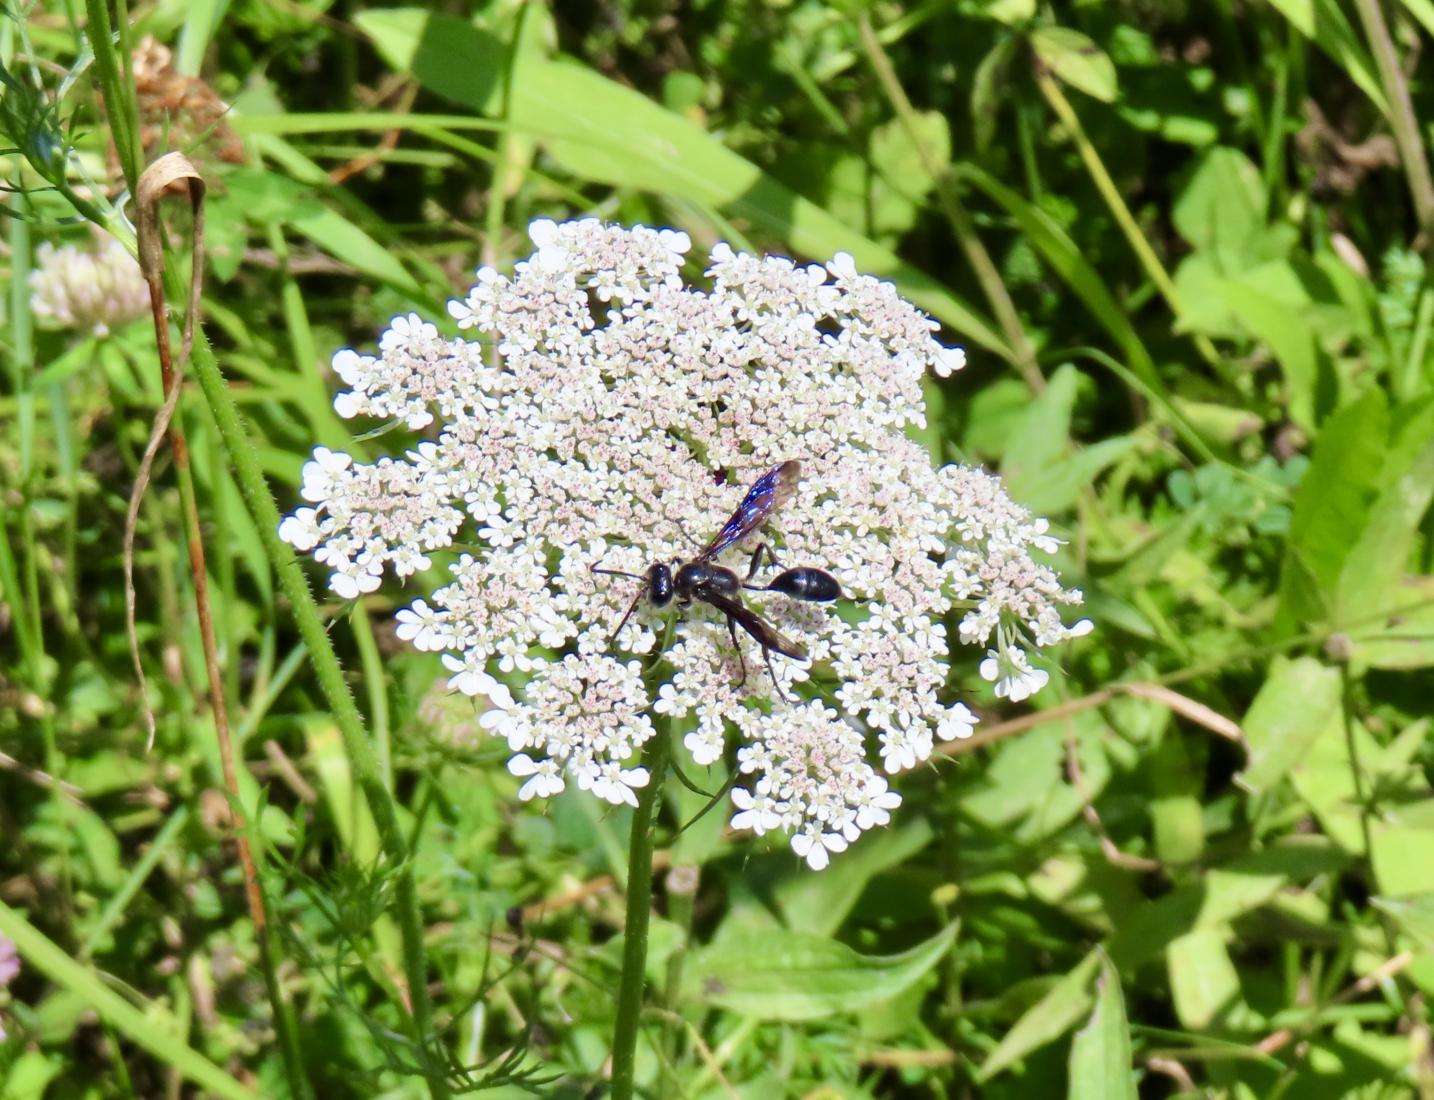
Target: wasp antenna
pixel 630 609
pixel 616 573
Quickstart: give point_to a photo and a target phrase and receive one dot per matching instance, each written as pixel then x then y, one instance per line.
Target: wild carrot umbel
pixel 616 426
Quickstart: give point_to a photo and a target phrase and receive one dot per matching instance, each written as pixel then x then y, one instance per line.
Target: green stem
pixel 357 747
pixel 1402 119
pixel 1115 203
pixel 119 106
pixel 639 909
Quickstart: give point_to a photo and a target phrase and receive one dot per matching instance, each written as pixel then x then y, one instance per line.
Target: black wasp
pixel 702 579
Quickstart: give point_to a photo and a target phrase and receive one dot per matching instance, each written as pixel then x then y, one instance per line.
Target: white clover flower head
pixel 612 415
pixel 93 290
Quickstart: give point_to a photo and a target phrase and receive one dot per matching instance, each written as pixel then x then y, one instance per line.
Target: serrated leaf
pixel 778 974
pixel 1076 60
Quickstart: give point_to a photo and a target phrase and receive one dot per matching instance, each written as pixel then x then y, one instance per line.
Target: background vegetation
pixel 1185 245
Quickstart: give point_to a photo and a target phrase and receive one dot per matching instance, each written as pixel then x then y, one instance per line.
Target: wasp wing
pixel 768 492
pixel 768 636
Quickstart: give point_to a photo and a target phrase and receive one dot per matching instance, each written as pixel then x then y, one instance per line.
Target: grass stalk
pixel 1402 119
pixel 1115 203
pixel 959 218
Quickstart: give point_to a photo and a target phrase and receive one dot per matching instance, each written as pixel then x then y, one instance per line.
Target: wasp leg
pixel 772 672
pixel 630 609
pixel 732 630
pixel 756 562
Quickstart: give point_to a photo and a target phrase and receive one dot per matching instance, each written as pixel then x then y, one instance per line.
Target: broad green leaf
pixel 996 412
pixel 1403 860
pixel 1324 22
pixel 1373 572
pixel 1324 779
pixel 1221 209
pixel 30 1075
pixel 1357 516
pixel 1042 434
pixel 1022 789
pixel 1309 385
pixel 1203 982
pixel 1404 640
pixel 1011 12
pixel 1076 60
pixel 1063 1006
pixel 1058 485
pixel 1175 812
pixel 1292 708
pixel 1330 509
pixel 1036 466
pixel 1223 894
pixel 1100 1063
pixel 819 903
pixel 1413 914
pixel 782 975
pixel 904 176
pixel 615 135
pixel 1086 887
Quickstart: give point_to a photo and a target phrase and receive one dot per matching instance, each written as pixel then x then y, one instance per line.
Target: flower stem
pixel 639 908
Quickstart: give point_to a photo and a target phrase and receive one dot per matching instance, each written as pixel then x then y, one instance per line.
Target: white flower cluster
pixel 93 290
pixel 615 416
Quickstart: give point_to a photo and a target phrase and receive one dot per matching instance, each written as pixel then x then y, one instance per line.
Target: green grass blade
pixel 1323 23
pixel 152 1028
pixel 611 134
